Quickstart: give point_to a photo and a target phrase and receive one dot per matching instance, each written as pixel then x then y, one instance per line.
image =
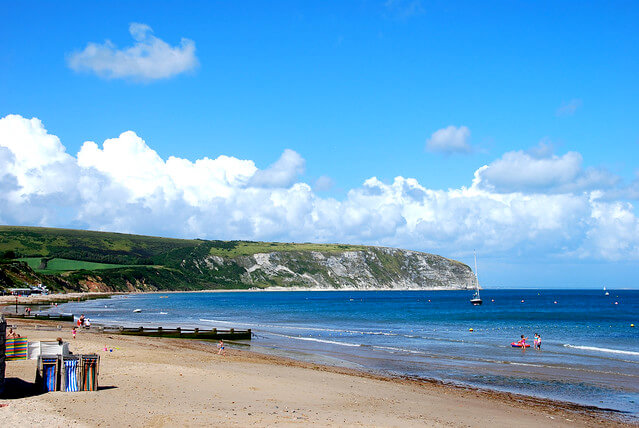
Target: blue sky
pixel 541 93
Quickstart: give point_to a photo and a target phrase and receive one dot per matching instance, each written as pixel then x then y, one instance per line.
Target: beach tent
pixel 48 373
pixel 90 367
pixel 16 348
pixel 3 338
pixel 70 373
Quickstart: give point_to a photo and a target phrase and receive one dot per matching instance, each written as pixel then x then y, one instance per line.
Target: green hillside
pixel 100 247
pixel 66 259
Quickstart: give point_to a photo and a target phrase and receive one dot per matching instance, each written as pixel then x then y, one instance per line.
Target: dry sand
pixel 152 382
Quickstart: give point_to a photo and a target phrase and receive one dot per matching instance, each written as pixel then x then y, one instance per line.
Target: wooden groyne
pixel 180 333
pixel 52 317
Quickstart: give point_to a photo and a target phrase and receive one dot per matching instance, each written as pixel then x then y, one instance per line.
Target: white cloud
pixel 282 173
pixel 150 58
pixel 32 159
pixel 539 170
pixel 323 184
pixel 123 185
pixel 569 108
pixel 449 140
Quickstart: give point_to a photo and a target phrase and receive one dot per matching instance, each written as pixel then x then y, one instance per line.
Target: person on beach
pixel 537 341
pixel 12 334
pixel 220 348
pixel 74 331
pixel 81 321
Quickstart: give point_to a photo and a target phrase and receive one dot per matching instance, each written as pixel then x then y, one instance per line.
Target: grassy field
pixel 123 249
pixel 102 247
pixel 247 248
pixel 65 265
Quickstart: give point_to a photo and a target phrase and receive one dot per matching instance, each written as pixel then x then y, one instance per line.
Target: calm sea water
pixel 589 355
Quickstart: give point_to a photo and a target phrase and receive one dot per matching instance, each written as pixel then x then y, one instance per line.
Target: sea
pixel 589 353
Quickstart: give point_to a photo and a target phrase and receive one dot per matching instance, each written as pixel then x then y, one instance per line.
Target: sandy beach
pixel 170 382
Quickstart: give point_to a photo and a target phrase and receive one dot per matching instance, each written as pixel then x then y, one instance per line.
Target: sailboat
pixel 476 300
pixel 606 293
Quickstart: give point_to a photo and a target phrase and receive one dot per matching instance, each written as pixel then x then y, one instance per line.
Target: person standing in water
pixel 537 341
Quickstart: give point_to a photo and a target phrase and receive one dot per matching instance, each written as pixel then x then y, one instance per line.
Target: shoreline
pixel 504 408
pixel 612 414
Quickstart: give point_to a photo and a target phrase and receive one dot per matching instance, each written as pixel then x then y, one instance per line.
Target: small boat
pixel 606 293
pixel 137 310
pixel 476 300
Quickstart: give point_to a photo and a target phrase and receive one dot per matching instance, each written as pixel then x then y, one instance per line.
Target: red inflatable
pixel 519 345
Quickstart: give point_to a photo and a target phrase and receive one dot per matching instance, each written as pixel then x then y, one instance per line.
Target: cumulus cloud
pixel 282 173
pixel 123 185
pixel 150 58
pixel 323 184
pixel 449 140
pixel 569 108
pixel 539 170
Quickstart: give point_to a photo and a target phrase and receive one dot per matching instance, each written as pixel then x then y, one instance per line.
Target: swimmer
pixel 537 341
pixel 522 342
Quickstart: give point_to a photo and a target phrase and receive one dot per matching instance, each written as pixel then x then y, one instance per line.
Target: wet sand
pixel 171 382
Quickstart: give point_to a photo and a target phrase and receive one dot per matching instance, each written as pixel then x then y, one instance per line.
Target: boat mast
pixel 476 274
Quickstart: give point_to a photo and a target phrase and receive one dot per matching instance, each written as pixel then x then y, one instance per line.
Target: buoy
pixel 492 300
pixel 522 300
pixel 470 329
pixel 555 302
pixel 616 303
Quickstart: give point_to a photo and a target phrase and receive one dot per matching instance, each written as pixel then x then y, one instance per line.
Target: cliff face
pixel 373 268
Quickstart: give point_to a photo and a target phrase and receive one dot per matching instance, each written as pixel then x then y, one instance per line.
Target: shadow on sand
pixel 17 388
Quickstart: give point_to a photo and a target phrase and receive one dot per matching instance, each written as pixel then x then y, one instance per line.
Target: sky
pixel 505 128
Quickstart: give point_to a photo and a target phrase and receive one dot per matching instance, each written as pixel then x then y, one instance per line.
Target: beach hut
pixel 70 374
pixel 89 368
pixel 3 338
pixel 48 373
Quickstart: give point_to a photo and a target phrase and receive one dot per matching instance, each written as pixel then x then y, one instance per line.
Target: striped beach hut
pixel 90 367
pixel 71 373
